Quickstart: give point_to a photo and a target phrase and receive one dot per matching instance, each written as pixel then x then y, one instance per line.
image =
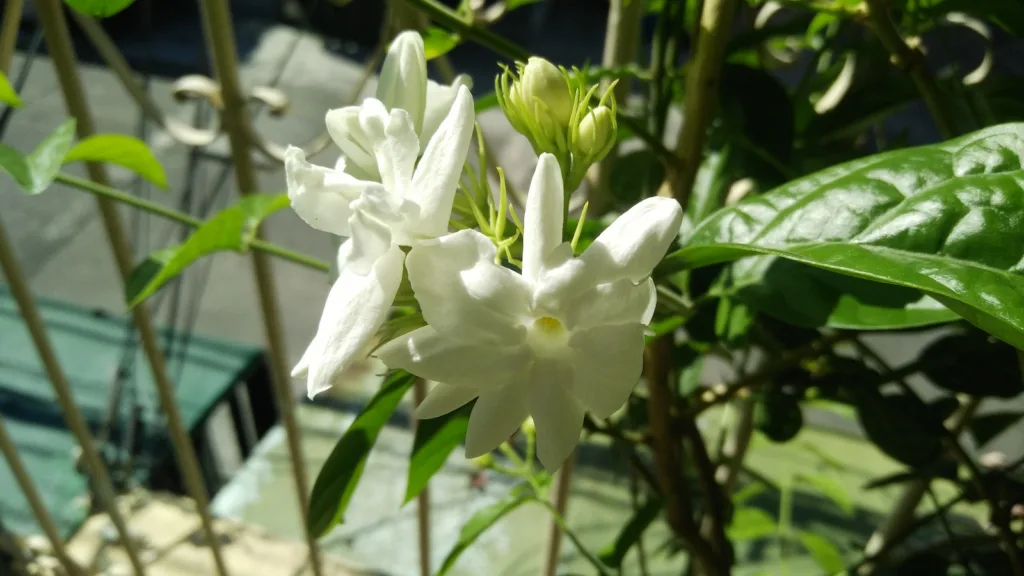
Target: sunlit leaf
pixel 340 474
pixel 435 440
pixel 829 488
pixel 44 162
pixel 438 42
pixel 944 219
pixel 123 150
pixel 482 520
pixel 232 229
pixel 12 162
pixel 7 93
pixel 750 524
pixel 825 555
pixel 99 8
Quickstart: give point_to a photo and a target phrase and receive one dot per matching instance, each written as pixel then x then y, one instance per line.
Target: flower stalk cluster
pixel 554 110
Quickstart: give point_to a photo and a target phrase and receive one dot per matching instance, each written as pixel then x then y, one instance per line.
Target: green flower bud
pixel 542 81
pixel 528 426
pixel 596 133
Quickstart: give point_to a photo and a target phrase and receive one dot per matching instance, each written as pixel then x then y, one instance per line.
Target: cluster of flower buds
pixel 554 110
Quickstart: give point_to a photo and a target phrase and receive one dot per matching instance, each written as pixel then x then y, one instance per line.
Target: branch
pixel 700 96
pixel 658 374
pixel 913 62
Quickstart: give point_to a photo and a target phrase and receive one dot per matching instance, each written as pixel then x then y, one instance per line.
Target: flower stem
pixel 702 81
pixel 186 219
pixel 451 20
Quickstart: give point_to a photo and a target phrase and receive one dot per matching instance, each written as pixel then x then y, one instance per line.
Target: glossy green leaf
pixel 825 554
pixel 438 42
pixel 482 520
pixel 340 474
pixel 972 364
pixel 435 439
pixel 123 150
pixel 12 162
pixel 946 219
pixel 813 298
pixel 900 425
pixel 231 229
pixel 99 8
pixel 7 93
pixel 750 524
pixel 44 162
pixel 733 322
pixel 829 488
pixel 642 518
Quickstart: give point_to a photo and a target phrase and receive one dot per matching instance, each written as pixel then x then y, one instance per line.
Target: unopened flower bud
pixel 528 426
pixel 542 81
pixel 596 133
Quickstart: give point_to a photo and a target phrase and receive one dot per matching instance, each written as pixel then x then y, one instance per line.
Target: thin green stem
pixel 449 19
pixel 186 219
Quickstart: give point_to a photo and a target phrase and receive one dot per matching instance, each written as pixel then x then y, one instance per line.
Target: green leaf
pixel 733 321
pixel 632 174
pixel 7 93
pixel 485 102
pixel 987 426
pixel 231 229
pixel 750 524
pixel 825 555
pixel 44 162
pixel 122 150
pixel 484 519
pixel 747 492
pixel 438 42
pixel 99 8
pixel 829 488
pixel 12 162
pixel 709 189
pixel 813 298
pixel 435 440
pixel 972 364
pixel 340 474
pixel 901 426
pixel 613 553
pixel 943 219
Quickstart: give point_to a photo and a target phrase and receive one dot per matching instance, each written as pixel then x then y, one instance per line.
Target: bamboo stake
pixel 9 32
pixel 58 41
pixel 220 41
pixel 72 415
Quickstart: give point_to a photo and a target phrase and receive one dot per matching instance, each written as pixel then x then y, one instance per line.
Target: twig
pixel 714 527
pixel 948 529
pixel 911 60
pixel 703 399
pixel 186 219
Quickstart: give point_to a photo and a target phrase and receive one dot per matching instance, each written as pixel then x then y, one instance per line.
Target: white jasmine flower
pixel 563 338
pixel 411 202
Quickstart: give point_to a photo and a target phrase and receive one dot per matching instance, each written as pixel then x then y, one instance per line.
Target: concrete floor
pixel 63 250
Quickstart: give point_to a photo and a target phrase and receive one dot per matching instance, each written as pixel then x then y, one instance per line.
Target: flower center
pixel 548 336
